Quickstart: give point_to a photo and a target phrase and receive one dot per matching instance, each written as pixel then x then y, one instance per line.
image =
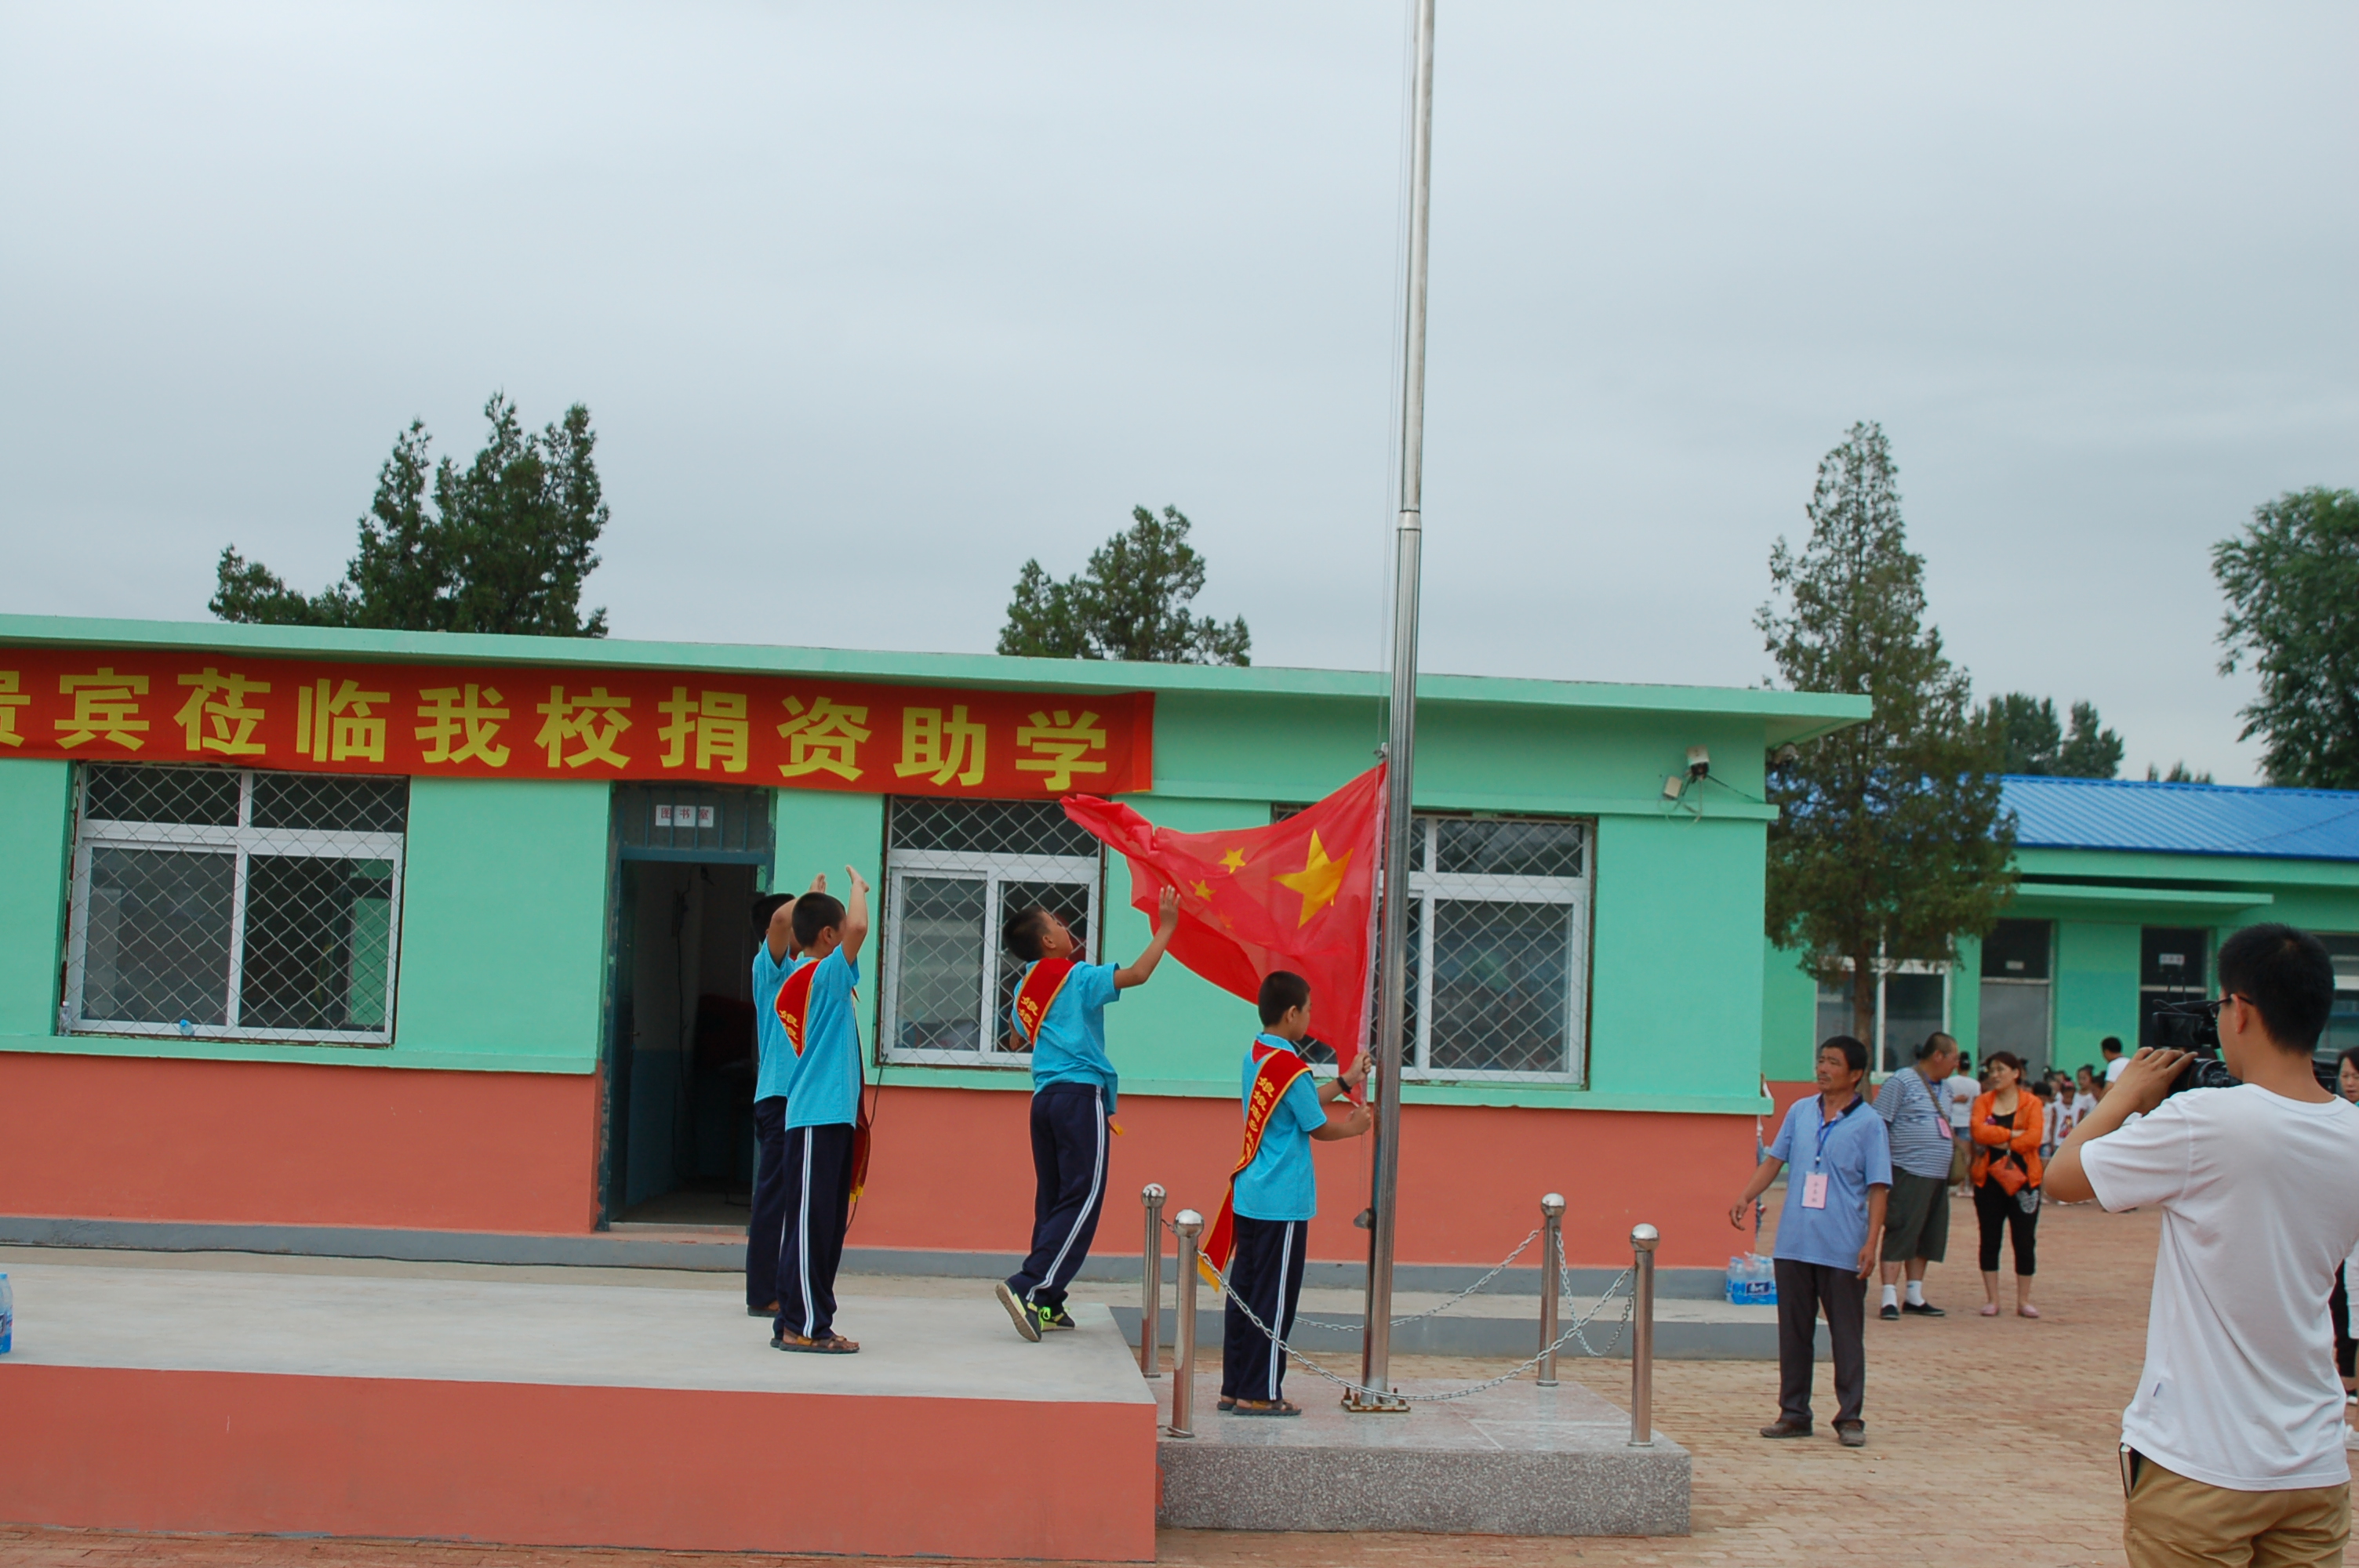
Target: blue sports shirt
pixel 1071 1047
pixel 774 1057
pixel 1280 1184
pixel 824 1089
pixel 1855 1153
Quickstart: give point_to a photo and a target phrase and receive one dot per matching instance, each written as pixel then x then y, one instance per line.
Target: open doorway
pixel 680 1054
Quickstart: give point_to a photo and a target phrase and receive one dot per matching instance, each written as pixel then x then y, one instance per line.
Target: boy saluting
pixel 1060 1017
pixel 1258 1238
pixel 815 1008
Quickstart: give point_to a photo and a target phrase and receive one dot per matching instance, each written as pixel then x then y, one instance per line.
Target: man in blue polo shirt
pixel 1828 1236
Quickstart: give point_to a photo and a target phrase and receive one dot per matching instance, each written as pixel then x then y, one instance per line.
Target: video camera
pixel 2193 1026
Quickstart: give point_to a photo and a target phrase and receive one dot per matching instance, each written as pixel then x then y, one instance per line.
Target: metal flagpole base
pixel 1361 1402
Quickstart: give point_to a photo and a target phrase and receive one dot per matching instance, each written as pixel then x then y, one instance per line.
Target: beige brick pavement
pixel 1991 1441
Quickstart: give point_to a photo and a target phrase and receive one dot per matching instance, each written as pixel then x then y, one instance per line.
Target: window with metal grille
pixel 954 871
pixel 1498 948
pixel 234 904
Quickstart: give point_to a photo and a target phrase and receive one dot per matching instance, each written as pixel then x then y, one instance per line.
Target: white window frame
pixel 244 841
pixel 1876 1047
pixel 1575 894
pixel 996 869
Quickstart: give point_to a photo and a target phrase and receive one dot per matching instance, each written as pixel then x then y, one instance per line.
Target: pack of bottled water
pixel 1752 1281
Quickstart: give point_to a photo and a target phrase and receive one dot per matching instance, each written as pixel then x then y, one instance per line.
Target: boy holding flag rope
pixel 1259 1237
pixel 824 1160
pixel 1060 1016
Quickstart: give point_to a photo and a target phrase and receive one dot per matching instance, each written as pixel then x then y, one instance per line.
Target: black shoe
pixel 1922 1309
pixel 1890 1314
pixel 1021 1313
pixel 1784 1428
pixel 1853 1433
pixel 1055 1317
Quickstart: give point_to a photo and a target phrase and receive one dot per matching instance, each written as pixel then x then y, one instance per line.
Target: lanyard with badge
pixel 1814 1183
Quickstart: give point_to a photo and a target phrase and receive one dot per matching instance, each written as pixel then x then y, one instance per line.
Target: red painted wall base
pixel 563 1465
pixel 267 1143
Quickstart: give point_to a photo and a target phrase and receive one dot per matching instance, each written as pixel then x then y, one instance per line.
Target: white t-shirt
pixel 2259 1196
pixel 1962 1092
pixel 2082 1106
pixel 2115 1068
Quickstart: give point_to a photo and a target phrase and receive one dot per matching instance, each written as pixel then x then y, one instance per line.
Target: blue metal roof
pixel 2184 818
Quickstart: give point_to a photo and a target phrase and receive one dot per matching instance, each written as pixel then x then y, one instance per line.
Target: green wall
pixel 36 838
pixel 1789 1017
pixel 504 924
pixel 2096 988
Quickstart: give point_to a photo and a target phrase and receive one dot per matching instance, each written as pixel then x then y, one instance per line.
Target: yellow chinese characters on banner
pixel 481 721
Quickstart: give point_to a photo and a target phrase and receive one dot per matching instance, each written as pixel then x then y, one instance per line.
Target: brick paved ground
pixel 1990 1441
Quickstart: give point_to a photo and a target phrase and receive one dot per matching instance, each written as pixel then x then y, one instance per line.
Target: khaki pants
pixel 2169 1521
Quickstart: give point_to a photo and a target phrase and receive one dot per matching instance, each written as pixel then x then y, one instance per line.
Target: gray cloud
pixel 871 303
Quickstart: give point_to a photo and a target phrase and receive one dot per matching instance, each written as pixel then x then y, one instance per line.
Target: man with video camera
pixel 2231 1447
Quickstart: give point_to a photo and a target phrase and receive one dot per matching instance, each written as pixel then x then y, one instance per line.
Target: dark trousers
pixel 1265 1274
pixel 766 1232
pixel 1068 1177
pixel 819 1205
pixel 1996 1210
pixel 1804 1290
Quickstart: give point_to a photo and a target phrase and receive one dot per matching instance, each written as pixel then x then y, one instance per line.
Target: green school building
pixel 2128 889
pixel 313 933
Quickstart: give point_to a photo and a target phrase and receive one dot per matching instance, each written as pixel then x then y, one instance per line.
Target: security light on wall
pixel 1699 761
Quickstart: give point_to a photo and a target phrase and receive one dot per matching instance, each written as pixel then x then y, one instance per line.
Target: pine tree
pixel 1890 843
pixel 1130 605
pixel 505 547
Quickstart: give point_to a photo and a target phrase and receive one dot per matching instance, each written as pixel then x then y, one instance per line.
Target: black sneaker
pixel 1922 1309
pixel 1056 1317
pixel 1021 1313
pixel 1890 1314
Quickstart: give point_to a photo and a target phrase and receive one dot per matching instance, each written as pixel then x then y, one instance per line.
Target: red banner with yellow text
pixel 522 721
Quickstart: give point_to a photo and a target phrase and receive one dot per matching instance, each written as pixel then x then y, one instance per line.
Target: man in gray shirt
pixel 1917 1219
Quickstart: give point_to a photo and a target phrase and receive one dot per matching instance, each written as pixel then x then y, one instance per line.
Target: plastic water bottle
pixel 7 1315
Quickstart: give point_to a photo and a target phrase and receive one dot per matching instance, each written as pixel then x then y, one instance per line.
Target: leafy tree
pixel 503 547
pixel 1889 843
pixel 1130 605
pixel 2036 744
pixel 2292 582
pixel 2178 774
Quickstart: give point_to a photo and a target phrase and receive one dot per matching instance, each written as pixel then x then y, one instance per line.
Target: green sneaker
pixel 1055 1317
pixel 1021 1313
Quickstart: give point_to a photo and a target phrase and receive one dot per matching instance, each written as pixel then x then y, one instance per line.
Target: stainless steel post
pixel 1187 1225
pixel 1376 1356
pixel 1643 1240
pixel 1150 1305
pixel 1552 1282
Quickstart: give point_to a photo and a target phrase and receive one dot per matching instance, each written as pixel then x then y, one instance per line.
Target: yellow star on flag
pixel 1235 859
pixel 1204 891
pixel 1319 880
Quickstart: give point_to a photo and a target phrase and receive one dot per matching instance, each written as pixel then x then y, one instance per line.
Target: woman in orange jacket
pixel 2007 1126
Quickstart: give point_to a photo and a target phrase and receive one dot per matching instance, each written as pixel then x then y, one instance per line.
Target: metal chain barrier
pixel 1430 1312
pixel 1569 1335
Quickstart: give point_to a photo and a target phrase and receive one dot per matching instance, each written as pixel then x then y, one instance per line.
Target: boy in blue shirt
pixel 774 1061
pixel 1060 1016
pixel 815 1012
pixel 1274 1194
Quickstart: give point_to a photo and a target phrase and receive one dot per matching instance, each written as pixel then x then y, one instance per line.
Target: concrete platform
pixel 1517 1460
pixel 559 1413
pixel 1485 1324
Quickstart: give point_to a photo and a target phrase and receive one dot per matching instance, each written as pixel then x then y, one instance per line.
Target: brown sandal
pixel 830 1345
pixel 1266 1407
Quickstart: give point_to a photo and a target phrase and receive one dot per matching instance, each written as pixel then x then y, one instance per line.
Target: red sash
pixel 794 1007
pixel 794 1004
pixel 1041 984
pixel 1274 1075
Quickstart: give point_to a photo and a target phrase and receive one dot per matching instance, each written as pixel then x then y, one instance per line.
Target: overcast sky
pixel 870 302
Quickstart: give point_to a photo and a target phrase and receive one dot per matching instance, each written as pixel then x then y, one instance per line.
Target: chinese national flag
pixel 1295 896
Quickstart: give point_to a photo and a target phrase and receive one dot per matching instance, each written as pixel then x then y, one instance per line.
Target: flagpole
pixel 1375 1358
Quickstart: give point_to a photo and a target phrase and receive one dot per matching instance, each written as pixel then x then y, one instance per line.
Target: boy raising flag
pixel 1258 1238
pixel 1060 1017
pixel 815 1008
